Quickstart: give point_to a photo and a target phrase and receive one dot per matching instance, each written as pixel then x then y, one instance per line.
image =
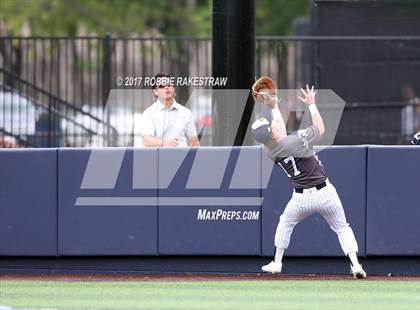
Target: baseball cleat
pixel 272 267
pixel 358 272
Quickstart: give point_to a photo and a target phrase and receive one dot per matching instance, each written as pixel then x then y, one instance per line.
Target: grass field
pixel 261 294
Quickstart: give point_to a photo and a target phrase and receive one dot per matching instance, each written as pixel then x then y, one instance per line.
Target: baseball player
pixel 312 190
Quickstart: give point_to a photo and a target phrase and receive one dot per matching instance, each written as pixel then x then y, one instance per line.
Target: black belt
pixel 318 187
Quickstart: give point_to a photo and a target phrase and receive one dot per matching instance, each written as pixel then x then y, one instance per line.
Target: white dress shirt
pixel 166 123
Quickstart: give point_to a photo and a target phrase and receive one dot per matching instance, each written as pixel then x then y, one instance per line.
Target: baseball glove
pixel 264 90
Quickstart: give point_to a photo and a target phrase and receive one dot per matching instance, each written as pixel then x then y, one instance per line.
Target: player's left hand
pixel 308 95
pixel 269 100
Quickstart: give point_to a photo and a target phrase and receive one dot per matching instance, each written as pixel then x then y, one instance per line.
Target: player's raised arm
pixel 264 91
pixel 309 99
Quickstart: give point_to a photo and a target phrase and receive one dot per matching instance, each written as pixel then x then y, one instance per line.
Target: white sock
pixel 353 258
pixel 279 255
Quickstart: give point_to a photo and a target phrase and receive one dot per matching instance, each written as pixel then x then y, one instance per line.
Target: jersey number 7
pixel 296 171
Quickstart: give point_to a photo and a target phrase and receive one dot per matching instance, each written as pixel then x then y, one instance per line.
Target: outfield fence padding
pixel 28 202
pixel 393 226
pixel 149 202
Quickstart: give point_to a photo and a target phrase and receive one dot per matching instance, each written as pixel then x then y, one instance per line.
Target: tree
pixel 276 17
pixel 118 17
pixel 132 17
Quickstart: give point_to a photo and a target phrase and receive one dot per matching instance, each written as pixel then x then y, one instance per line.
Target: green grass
pixel 310 294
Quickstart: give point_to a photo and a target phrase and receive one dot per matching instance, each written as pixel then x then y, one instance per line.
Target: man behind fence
pixel 166 122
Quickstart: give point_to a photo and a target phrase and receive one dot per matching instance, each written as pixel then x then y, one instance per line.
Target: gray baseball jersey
pixel 295 155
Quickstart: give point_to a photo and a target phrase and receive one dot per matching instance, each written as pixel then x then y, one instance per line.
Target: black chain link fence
pixel 53 90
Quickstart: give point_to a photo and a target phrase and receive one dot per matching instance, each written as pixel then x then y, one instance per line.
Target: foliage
pixel 276 17
pixel 132 17
pixel 118 17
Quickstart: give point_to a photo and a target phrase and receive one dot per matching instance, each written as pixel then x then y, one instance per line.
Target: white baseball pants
pixel 325 202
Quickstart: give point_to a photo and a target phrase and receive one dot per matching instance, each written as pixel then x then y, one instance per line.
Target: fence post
pixel 106 81
pixel 50 127
pixel 106 68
